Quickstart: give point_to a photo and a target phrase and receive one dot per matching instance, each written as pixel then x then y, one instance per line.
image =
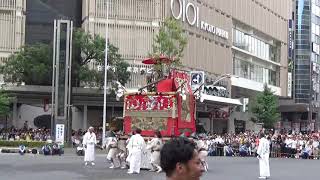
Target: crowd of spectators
pixel 32 134
pixel 40 134
pixel 286 145
pixel 282 144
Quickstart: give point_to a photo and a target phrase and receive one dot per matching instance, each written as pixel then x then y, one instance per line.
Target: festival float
pixel 166 104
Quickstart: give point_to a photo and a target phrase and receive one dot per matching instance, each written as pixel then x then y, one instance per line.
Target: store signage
pixel 60 134
pixel 197 79
pixel 290 39
pixel 289 84
pixel 190 13
pixel 219 91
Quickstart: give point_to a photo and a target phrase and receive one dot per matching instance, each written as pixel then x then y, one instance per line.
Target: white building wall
pixel 77 119
pixel 28 113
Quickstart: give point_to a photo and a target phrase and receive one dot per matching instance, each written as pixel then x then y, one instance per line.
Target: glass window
pixel 313 28
pixel 255 46
pixel 272 77
pixel 267 51
pixel 259 48
pixel 250 44
pixel 246 39
pixel 237 37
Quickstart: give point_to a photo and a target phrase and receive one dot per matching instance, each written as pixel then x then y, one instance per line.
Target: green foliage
pixel 265 108
pixel 32 65
pixel 5 101
pixel 29 144
pixel 170 42
pixel 93 50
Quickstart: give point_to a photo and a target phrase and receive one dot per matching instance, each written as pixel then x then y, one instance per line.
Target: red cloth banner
pixel 146 102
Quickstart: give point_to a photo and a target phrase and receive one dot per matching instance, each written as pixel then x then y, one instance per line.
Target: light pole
pixel 105 82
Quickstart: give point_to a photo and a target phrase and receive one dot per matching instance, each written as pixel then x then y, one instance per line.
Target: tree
pixel 265 108
pixel 169 42
pixel 92 49
pixel 32 65
pixel 5 101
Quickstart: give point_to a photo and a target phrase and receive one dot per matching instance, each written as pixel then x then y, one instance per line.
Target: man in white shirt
pixel 288 143
pixel 136 146
pixel 263 156
pixel 315 147
pixel 155 146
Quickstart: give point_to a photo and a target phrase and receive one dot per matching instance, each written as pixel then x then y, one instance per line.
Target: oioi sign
pixel 184 11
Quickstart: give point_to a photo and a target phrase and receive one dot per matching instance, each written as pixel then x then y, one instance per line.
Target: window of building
pixel 245 69
pixel 254 45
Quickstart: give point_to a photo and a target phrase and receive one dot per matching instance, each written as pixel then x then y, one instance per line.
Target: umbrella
pixel 152 60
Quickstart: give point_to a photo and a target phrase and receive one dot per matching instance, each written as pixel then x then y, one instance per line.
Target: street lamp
pixel 105 82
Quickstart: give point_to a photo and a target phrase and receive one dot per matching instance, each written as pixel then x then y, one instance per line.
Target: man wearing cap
pixel 263 156
pixel 89 142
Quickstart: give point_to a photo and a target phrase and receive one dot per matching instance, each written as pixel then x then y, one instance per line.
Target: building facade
pixel 12 27
pixel 40 15
pixel 301 113
pixel 247 39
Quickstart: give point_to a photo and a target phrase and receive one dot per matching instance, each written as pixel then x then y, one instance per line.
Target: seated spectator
pixel 22 149
pixel 243 150
pixel 34 151
pixel 56 149
pixel 306 151
pixel 212 150
pixel 229 151
pixel 46 149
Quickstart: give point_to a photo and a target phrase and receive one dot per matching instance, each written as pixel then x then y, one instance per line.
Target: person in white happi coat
pixel 129 148
pixel 136 147
pixel 155 146
pixel 263 156
pixel 89 142
pixel 203 147
pixel 122 153
pixel 112 148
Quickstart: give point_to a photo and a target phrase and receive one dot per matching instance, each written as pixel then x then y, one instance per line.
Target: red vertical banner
pixel 186 108
pixel 186 111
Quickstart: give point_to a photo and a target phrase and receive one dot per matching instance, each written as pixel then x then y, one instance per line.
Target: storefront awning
pixel 220 100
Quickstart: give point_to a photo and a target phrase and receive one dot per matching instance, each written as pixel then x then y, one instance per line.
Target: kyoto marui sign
pixel 190 13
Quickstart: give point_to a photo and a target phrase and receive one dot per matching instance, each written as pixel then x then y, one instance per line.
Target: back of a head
pixel 262 135
pixel 178 150
pixel 158 134
pixel 138 131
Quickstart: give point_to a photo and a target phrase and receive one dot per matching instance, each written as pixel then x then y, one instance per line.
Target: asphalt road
pixel 69 167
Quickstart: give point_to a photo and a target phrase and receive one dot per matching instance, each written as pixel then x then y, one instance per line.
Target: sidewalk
pixel 67 151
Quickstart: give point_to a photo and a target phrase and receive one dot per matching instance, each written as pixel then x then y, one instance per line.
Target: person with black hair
pixel 155 146
pixel 180 160
pixel 136 147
